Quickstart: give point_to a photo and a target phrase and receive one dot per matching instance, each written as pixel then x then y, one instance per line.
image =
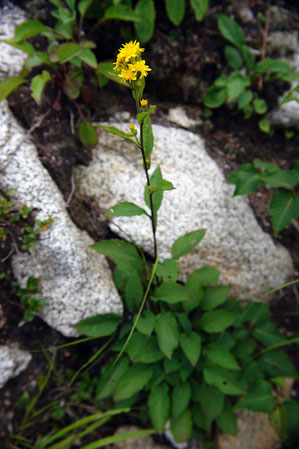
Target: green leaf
pixel 83 6
pixel 193 285
pixel 124 254
pixel 24 46
pixel 258 399
pixel 145 10
pixel 87 134
pixel 180 398
pixel 200 8
pixel 175 10
pixel 68 51
pixel 216 320
pixel 191 346
pixel 255 313
pixel 268 334
pixel 171 292
pixel 166 328
pixel 157 197
pixel 245 99
pixel 159 403
pixel 184 321
pixel 146 323
pixel 161 186
pixel 247 180
pixel 168 270
pixel 214 296
pixel 36 59
pixel 233 57
pixel 29 29
pixel 200 419
pixel 107 383
pixel 143 349
pixel 272 65
pixel 121 12
pixel 38 84
pixel 135 380
pixel 215 97
pixel 148 138
pixel 224 380
pixel 292 421
pixel 236 84
pixel 207 275
pixel 264 125
pixel 283 209
pixel 287 179
pixel 211 400
pixel 181 427
pixel 248 57
pixel 260 106
pixel 99 325
pixel 266 167
pixel 125 209
pixel 117 132
pixel 10 84
pixel 89 58
pixel 230 30
pixel 133 291
pixel 227 420
pixel 277 419
pixel 219 355
pixel 186 243
pixel 276 363
pixel 172 365
pixel 142 115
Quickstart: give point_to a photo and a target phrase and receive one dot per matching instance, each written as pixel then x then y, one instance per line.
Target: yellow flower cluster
pixel 129 62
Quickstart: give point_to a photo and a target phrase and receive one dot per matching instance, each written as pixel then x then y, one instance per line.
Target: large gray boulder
pixel 13 361
pixel 247 257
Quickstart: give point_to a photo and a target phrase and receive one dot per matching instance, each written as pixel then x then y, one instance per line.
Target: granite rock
pixel 13 361
pixel 247 258
pixel 74 279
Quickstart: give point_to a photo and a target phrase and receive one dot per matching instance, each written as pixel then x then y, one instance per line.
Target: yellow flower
pixel 143 102
pixel 130 50
pixel 140 67
pixel 118 64
pixel 127 74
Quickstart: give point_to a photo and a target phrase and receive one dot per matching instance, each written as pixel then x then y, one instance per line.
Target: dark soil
pixel 184 63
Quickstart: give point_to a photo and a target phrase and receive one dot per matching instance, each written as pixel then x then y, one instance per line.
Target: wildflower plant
pixel 185 354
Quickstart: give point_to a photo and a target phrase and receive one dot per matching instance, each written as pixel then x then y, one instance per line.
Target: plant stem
pixel 150 194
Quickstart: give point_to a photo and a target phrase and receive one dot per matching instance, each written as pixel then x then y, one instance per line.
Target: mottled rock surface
pixel 234 243
pixel 13 361
pixel 75 280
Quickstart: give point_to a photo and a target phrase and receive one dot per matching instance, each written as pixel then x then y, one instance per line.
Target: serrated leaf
pixel 214 296
pixel 211 400
pixel 200 8
pixel 216 320
pixel 171 292
pixel 258 399
pixel 247 179
pixel 135 380
pixel 230 30
pixel 145 10
pixel 181 427
pixel 124 254
pixel 159 403
pixel 146 323
pixel 272 65
pixel 117 132
pixel 191 346
pixel 287 179
pixel 180 398
pixel 121 12
pixel 233 57
pixel 255 313
pixel 283 209
pixel 268 334
pixel 218 355
pixel 175 10
pixel 87 134
pixel 143 349
pixel 265 167
pixel 89 58
pixel 227 420
pixel 36 59
pixel 125 209
pixel 224 380
pixel 99 325
pixel 186 243
pixel 10 84
pixel 276 363
pixel 166 328
pixel 107 382
pixel 29 29
pixel 68 51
